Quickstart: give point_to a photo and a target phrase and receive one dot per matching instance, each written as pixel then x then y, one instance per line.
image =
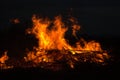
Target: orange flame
pixel 50 35
pixel 3 60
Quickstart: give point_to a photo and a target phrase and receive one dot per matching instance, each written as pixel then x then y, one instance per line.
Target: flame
pixel 53 38
pixel 3 60
pixel 53 46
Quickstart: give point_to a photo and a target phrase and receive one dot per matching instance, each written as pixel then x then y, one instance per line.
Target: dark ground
pixel 15 41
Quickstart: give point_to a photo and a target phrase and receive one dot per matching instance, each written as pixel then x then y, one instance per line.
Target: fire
pixel 50 39
pixel 52 46
pixel 3 60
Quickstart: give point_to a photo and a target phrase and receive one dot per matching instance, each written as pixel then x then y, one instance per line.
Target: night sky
pixel 96 17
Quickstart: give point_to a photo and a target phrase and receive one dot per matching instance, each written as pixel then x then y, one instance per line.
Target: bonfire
pixel 54 50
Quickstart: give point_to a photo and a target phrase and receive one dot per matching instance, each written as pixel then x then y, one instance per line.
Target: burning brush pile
pixel 54 50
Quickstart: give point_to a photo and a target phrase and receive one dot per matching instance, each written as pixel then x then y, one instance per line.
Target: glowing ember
pixel 53 47
pixel 15 21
